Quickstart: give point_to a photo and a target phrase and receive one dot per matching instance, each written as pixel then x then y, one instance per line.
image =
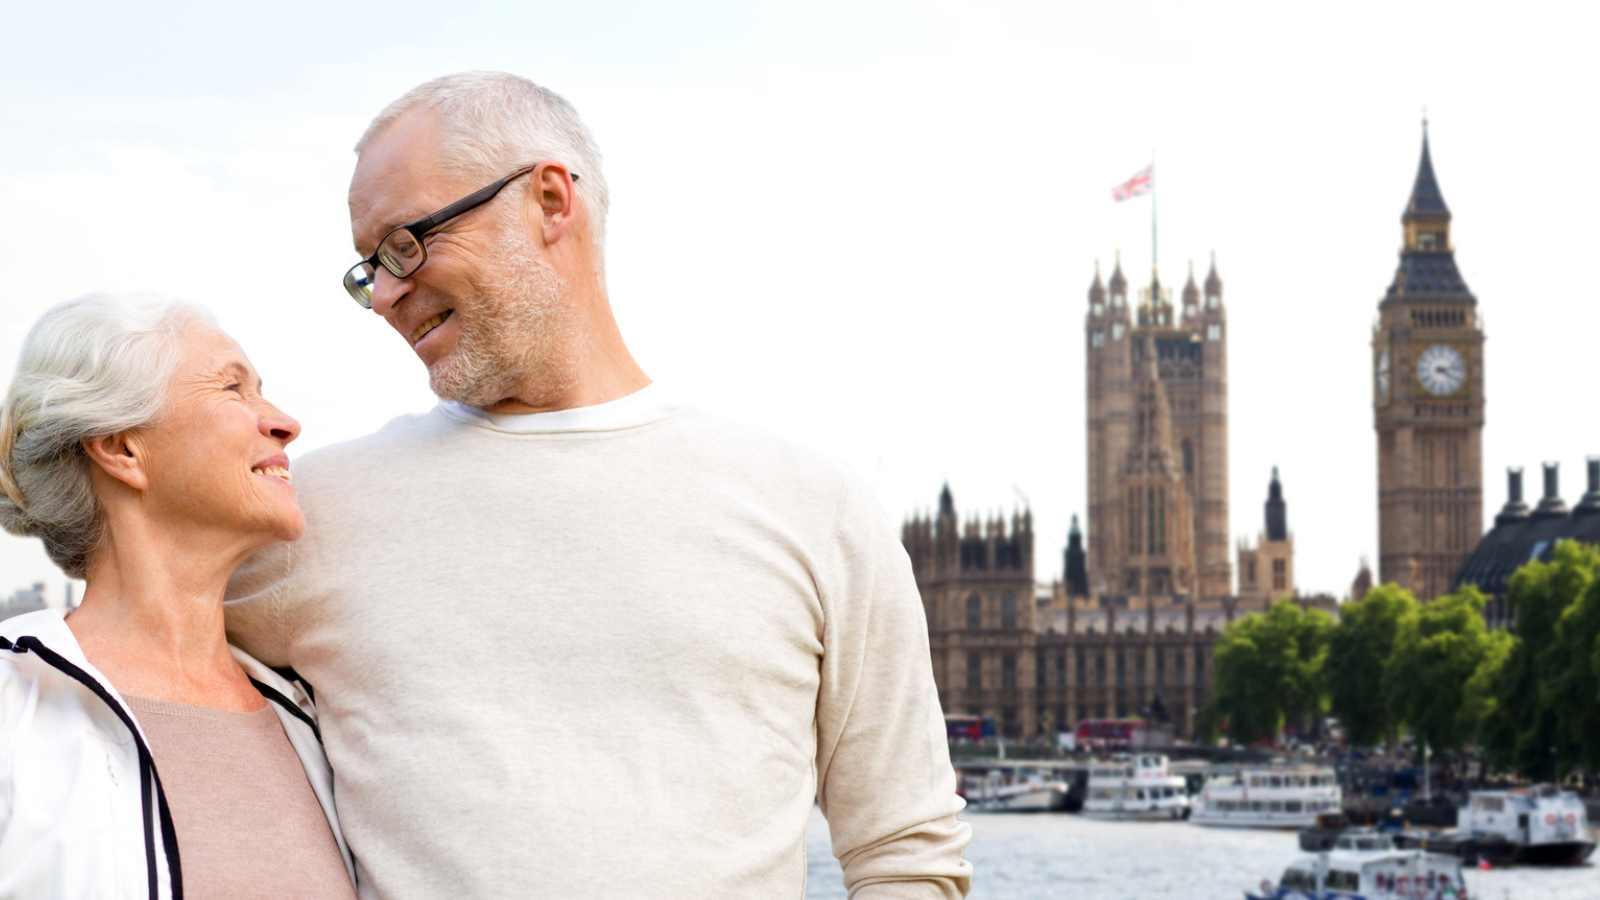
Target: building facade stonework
pixel 1266 567
pixel 1157 384
pixel 1130 628
pixel 1428 403
pixel 1039 659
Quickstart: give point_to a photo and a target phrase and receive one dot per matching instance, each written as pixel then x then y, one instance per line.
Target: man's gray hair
pixel 92 367
pixel 494 122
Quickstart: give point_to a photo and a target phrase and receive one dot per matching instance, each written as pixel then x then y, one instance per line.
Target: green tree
pixel 1269 669
pixel 1479 702
pixel 1437 653
pixel 1571 691
pixel 1528 727
pixel 1359 648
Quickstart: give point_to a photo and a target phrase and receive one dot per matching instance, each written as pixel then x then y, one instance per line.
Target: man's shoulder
pixel 397 437
pixel 728 448
pixel 744 444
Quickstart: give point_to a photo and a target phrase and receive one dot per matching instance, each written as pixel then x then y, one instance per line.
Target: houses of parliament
pixel 1129 629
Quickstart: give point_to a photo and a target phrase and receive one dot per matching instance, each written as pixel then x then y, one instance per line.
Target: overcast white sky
pixel 869 225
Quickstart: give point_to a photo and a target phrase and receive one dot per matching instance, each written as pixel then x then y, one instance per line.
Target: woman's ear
pixel 121 456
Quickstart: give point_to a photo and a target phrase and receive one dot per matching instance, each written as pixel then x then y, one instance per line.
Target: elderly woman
pixel 140 754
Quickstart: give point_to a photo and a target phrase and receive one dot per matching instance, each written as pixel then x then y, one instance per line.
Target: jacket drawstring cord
pixel 147 766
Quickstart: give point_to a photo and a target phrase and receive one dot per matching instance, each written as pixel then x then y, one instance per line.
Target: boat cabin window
pixel 1298 880
pixel 1292 806
pixel 1489 804
pixel 1341 880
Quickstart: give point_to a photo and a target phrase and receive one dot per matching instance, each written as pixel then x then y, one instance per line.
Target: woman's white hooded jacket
pixel 82 810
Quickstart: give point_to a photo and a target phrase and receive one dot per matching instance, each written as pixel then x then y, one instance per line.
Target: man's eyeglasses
pixel 402 251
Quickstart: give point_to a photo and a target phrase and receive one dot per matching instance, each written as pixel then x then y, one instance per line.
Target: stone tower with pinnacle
pixel 1428 402
pixel 1169 365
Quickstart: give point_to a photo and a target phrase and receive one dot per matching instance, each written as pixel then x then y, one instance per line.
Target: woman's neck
pixel 151 619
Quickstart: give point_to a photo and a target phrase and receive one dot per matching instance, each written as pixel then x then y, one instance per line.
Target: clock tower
pixel 1427 395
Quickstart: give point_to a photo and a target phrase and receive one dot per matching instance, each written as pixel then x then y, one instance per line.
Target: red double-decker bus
pixel 967 728
pixel 1113 734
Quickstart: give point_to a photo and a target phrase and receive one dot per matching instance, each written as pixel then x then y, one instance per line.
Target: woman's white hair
pixel 494 122
pixel 92 367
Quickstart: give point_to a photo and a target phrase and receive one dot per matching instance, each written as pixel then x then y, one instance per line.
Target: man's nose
pixel 388 290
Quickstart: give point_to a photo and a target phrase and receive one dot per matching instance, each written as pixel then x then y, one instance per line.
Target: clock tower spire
pixel 1428 401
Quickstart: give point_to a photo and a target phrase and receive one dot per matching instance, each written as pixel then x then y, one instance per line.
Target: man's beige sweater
pixel 608 652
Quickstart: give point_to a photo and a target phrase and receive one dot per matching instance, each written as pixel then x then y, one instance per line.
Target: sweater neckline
pixel 648 404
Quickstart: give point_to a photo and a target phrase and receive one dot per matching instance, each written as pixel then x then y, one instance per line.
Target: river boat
pixel 1540 825
pixel 1327 831
pixel 1367 865
pixel 1273 796
pixel 1003 791
pixel 1135 787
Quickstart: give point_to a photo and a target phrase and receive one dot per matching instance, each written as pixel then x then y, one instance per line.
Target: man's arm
pixel 884 778
pixel 254 605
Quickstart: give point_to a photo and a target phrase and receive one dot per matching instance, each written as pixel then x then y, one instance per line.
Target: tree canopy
pixel 1359 648
pixel 1438 651
pixel 1545 719
pixel 1529 697
pixel 1268 670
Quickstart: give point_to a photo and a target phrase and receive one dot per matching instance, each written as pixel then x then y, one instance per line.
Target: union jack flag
pixel 1141 183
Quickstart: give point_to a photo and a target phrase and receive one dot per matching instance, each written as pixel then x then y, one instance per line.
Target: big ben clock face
pixel 1441 370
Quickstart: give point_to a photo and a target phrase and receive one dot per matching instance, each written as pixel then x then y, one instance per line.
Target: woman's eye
pixel 236 388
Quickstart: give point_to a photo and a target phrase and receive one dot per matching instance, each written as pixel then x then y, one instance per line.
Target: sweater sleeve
pixel 884 779
pixel 253 606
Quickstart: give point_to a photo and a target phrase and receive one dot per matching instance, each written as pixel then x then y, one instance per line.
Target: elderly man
pixel 568 638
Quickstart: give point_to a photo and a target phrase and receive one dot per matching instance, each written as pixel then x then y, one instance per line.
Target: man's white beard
pixel 512 344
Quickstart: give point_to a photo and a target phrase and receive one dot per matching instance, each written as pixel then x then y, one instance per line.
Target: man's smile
pixel 422 331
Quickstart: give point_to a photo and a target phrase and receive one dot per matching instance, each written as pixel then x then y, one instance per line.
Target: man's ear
pixel 558 201
pixel 120 456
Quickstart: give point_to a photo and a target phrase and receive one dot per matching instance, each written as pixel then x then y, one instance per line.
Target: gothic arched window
pixel 974 611
pixel 1161 521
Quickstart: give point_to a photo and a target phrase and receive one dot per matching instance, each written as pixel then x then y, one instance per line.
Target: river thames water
pixel 1024 856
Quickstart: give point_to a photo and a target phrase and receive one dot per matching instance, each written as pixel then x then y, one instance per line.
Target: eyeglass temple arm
pixel 476 198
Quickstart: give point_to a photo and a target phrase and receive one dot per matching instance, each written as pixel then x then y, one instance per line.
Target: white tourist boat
pixel 1273 796
pixel 1138 786
pixel 1003 790
pixel 1367 866
pixel 1540 825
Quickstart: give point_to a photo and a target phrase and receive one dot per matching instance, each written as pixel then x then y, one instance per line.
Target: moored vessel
pixel 1540 825
pixel 1268 797
pixel 1015 791
pixel 1135 787
pixel 1367 865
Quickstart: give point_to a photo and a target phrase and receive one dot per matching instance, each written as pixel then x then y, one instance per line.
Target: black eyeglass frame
pixel 425 226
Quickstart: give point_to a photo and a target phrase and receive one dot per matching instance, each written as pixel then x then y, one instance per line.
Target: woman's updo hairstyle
pixel 91 367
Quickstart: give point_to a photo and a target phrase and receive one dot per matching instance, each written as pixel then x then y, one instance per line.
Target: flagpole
pixel 1153 246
